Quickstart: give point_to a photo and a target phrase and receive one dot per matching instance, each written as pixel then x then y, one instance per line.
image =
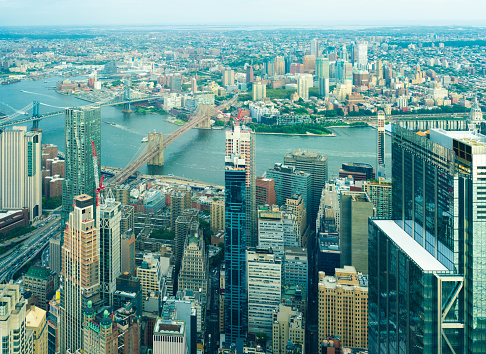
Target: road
pixel 30 248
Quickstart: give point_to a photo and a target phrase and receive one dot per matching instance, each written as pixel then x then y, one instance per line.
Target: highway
pixel 30 248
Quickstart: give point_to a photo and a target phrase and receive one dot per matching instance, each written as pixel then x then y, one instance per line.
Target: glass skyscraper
pixel 427 270
pixel 82 126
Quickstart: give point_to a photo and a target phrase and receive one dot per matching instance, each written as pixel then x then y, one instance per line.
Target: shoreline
pixel 306 134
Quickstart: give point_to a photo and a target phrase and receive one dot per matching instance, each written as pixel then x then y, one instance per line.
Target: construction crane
pixel 238 118
pixel 98 183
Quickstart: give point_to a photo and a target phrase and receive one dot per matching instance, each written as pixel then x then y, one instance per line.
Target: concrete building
pixel 127 218
pixel 380 145
pixel 259 91
pixel 265 191
pixel 82 128
pixel 13 321
pixel 228 77
pixel 20 171
pixel 53 324
pixel 150 275
pixel 194 272
pixel 184 224
pixel 302 88
pixel 100 335
pixel 295 204
pixel 288 330
pixel 128 290
pixel 380 194
pixel 217 215
pixel 314 164
pixel 55 254
pixel 80 271
pixel 358 171
pixel 110 247
pixel 128 252
pixel 169 337
pixel 11 219
pixel 264 289
pixel 343 307
pixel 41 282
pixel 295 268
pixel 128 323
pixel 322 68
pixel 35 320
pixel 355 209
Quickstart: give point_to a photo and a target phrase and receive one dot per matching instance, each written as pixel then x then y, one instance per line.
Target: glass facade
pixel 235 300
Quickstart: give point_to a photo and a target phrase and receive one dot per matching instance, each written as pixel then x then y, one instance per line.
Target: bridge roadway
pixel 204 113
pixel 6 122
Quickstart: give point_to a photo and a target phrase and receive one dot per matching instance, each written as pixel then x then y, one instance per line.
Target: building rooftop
pixel 169 327
pixel 417 254
pixel 38 272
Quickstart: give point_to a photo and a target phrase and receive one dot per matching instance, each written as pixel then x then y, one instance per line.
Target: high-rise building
pixel 362 60
pixel 380 144
pixel 128 323
pixel 20 171
pixel 194 272
pixel 289 59
pixel 193 85
pixel 13 320
pixel 355 209
pixel 100 333
pixel 309 62
pixel 228 77
pixel 36 321
pixel 264 289
pixel 358 171
pixel 296 205
pixel 127 218
pixel 289 181
pixel 322 68
pixel 277 229
pixel 269 66
pixel 343 307
pixel 150 275
pixel 380 194
pixel 302 88
pixel 265 191
pixel 169 337
pixel 177 206
pixel 288 328
pixel 314 164
pixel 128 290
pixel 184 223
pixel 249 74
pixel 55 254
pixel 80 271
pixel 295 267
pixel 379 70
pixel 324 87
pixel 110 247
pixel 128 252
pixel 235 295
pixel 240 145
pixel 259 91
pixel 279 65
pixel 314 47
pixel 217 215
pixel 53 324
pixel 435 242
pixel 82 126
pixel 41 282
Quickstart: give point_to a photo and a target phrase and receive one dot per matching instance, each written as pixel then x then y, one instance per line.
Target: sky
pixel 319 13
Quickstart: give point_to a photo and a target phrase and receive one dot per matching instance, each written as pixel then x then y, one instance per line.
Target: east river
pixel 198 154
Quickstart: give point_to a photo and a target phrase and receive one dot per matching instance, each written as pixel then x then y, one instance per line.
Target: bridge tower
pixel 35 114
pixel 126 97
pixel 156 140
pixel 204 109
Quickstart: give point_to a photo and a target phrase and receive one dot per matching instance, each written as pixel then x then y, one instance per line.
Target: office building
pixel 222 277
pixel 36 321
pixel 194 272
pixel 324 87
pixel 127 218
pixel 265 191
pixel 322 68
pixel 289 181
pixel 128 290
pixel 343 307
pixel 128 252
pixel 264 271
pixel 150 275
pixel 249 74
pixel 193 85
pixel 295 267
pixel 276 229
pixel 288 330
pixel 355 209
pixel 228 77
pixel 20 171
pixel 259 91
pixel 80 271
pixel 184 223
pixel 435 242
pixel 269 66
pixel 13 320
pixel 380 194
pixel 362 59
pixel 314 164
pixel 169 337
pixel 240 145
pixel 235 244
pixel 302 88
pixel 128 323
pixel 177 207
pixel 100 334
pixel 358 171
pixel 217 215
pixel 176 83
pixel 380 144
pixel 41 282
pixel 110 247
pixel 289 59
pixel 81 127
pixel 53 324
pixel 329 253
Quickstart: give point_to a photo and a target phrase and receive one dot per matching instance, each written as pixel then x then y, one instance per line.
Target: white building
pixel 20 171
pixel 259 91
pixel 362 62
pixel 169 337
pixel 150 275
pixel 172 100
pixel 276 229
pixel 258 110
pixel 264 289
pixel 303 87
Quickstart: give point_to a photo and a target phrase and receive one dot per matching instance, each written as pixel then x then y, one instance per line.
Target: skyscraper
pixel 228 77
pixel 259 91
pixel 322 68
pixel 240 143
pixel 20 171
pixel 426 264
pixel 314 47
pixel 302 88
pixel 235 300
pixel 314 164
pixel 380 144
pixel 362 62
pixel 81 127
pixel 110 247
pixel 80 272
pixel 194 268
pixel 249 74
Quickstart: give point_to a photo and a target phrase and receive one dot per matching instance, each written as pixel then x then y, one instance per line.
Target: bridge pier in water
pixel 156 140
pixel 204 110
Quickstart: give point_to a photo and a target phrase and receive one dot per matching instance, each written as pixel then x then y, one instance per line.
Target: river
pixel 198 154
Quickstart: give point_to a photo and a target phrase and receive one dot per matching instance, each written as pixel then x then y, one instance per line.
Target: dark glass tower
pixel 427 270
pixel 235 300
